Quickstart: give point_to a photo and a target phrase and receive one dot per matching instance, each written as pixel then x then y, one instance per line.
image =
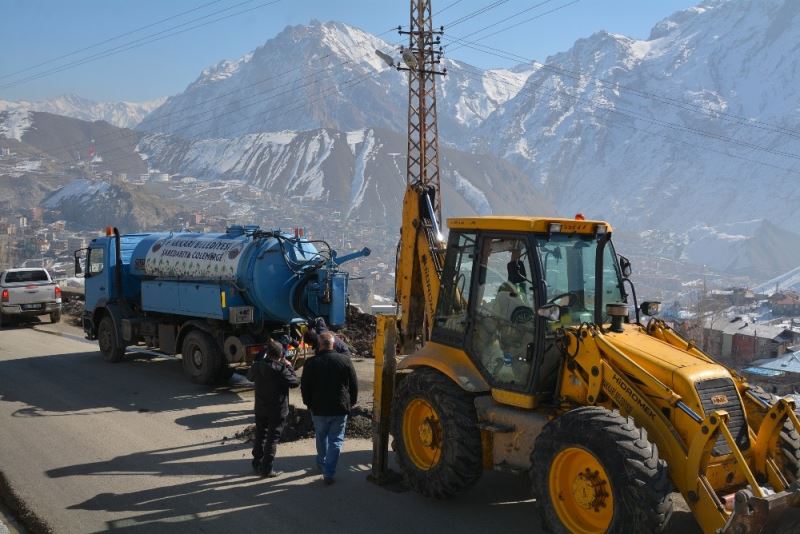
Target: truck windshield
pixel 32 275
pixel 568 267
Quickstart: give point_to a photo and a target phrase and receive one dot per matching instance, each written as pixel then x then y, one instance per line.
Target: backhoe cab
pixel 529 363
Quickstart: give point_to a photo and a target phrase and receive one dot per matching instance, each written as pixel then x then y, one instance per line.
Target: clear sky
pixel 34 31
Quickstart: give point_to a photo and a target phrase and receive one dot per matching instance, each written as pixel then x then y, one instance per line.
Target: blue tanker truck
pixel 214 298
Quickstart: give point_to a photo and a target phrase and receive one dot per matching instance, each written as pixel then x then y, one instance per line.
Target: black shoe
pixel 271 474
pixel 256 463
pixel 328 481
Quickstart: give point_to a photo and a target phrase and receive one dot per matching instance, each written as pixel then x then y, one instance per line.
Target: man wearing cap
pixel 273 376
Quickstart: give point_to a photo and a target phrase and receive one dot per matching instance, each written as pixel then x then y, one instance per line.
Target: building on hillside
pixel 785 303
pixel 740 341
pixel 779 375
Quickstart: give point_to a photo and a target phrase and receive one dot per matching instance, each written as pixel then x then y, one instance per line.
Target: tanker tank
pixel 284 277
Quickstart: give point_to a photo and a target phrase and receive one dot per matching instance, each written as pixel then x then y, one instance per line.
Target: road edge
pixel 20 511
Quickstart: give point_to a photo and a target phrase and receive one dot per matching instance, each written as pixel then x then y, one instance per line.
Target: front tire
pixel 595 471
pixel 201 357
pixel 436 436
pixel 113 351
pixel 787 451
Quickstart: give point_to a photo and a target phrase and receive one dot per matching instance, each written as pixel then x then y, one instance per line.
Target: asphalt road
pixel 93 446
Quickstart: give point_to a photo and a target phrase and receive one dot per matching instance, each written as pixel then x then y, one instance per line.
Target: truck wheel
pixel 436 436
pixel 201 357
pixel 108 340
pixel 595 471
pixel 55 317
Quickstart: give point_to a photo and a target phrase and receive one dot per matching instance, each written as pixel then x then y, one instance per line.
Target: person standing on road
pixel 330 388
pixel 339 346
pixel 273 376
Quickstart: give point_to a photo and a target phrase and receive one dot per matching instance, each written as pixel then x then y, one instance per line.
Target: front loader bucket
pixel 779 512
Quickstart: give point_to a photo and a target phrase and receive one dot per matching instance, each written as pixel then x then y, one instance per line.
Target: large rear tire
pixel 595 471
pixel 787 451
pixel 201 357
pixel 55 317
pixel 111 348
pixel 436 436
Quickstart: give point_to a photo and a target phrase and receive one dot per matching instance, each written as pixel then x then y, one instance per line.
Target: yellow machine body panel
pixel 525 224
pixel 450 361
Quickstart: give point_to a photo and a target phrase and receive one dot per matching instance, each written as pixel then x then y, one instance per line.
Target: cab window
pixel 96 261
pixel 452 311
pixel 568 268
pixel 504 332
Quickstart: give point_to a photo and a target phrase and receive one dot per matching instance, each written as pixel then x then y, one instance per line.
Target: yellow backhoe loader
pixel 520 356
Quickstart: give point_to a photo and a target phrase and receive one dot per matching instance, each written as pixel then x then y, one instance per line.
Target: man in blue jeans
pixel 330 388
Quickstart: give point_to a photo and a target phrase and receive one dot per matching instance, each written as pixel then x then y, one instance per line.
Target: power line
pixel 125 135
pixel 110 39
pixel 680 127
pixel 290 86
pixel 632 115
pixel 578 76
pixel 158 36
pixel 475 13
pixel 451 4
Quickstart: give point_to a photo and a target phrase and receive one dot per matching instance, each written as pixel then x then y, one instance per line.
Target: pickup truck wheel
pixel 594 471
pixel 55 317
pixel 201 358
pixel 108 340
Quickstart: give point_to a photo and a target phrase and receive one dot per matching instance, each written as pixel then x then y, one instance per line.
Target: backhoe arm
pixel 419 265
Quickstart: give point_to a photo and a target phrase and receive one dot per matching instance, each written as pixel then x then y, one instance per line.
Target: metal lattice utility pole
pixel 422 59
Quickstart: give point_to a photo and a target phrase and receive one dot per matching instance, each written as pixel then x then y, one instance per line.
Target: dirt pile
pixel 359 332
pixel 300 426
pixel 72 310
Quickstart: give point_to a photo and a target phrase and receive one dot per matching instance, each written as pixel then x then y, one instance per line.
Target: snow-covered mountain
pixel 121 114
pixel 695 125
pixel 324 75
pixel 786 281
pixel 360 173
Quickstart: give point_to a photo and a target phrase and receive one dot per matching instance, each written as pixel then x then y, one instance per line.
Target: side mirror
pixel 551 312
pixel 625 266
pixel 78 269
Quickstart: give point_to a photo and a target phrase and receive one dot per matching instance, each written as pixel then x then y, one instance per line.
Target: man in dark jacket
pixel 330 388
pixel 339 346
pixel 273 376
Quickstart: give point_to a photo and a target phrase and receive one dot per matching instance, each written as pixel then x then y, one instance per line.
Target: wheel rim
pixel 580 490
pixel 422 434
pixel 197 357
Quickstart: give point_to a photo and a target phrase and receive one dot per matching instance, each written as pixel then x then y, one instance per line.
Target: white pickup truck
pixel 26 293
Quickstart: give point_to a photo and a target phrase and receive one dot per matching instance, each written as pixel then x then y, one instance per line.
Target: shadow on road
pixel 228 496
pixel 84 384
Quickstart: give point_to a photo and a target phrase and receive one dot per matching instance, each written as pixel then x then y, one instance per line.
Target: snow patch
pixel 77 191
pixel 14 123
pixel 359 183
pixel 471 194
